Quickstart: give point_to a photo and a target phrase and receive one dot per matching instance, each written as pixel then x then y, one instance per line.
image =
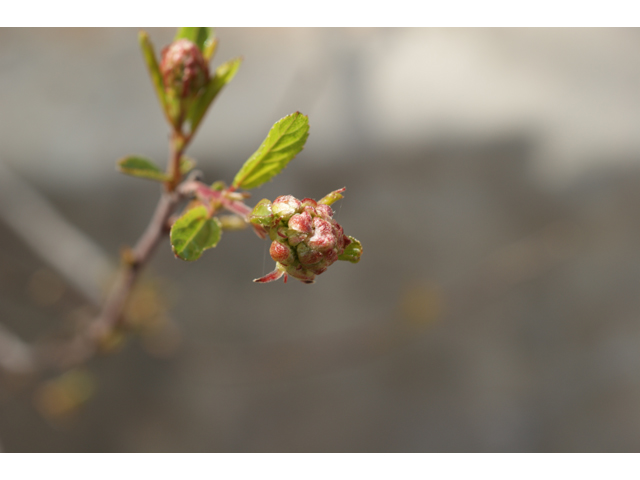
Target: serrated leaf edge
pixel 249 178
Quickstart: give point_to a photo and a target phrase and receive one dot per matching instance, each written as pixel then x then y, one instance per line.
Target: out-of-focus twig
pixel 59 243
pixel 80 261
pixel 87 342
pixel 16 356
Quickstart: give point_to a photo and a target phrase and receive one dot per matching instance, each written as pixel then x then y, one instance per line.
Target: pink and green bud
pixel 306 239
pixel 301 273
pixel 307 255
pixel 323 238
pixel 184 70
pixel 285 206
pixel 281 252
pixel 301 222
pixel 325 211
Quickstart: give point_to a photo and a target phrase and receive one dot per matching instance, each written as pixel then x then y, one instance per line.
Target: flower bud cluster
pixel 184 69
pixel 305 237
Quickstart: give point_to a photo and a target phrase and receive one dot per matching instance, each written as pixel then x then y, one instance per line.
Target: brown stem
pixel 87 342
pixel 111 316
pixel 178 145
pixel 20 358
pixel 113 308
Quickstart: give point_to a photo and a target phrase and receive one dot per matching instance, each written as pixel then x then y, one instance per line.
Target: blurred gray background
pixel 493 177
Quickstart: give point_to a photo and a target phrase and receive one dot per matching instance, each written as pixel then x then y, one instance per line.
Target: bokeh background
pixel 493 177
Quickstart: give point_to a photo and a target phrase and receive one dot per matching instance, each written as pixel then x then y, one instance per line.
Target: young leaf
pixel 224 74
pixel 352 252
pixel 186 164
pixel 284 141
pixel 193 233
pixel 154 69
pixel 201 36
pixel 209 49
pixel 141 167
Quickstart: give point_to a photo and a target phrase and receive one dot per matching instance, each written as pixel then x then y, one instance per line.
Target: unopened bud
pixel 281 252
pixel 184 69
pixel 305 237
pixel 285 206
pixel 301 222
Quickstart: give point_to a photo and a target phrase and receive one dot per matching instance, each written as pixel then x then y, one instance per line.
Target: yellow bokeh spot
pixel 422 303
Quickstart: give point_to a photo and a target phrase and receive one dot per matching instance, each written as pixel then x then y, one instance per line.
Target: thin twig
pixel 113 308
pixel 19 357
pixel 87 342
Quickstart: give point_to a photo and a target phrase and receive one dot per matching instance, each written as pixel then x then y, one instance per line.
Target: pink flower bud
pixel 301 222
pixel 322 238
pixel 184 70
pixel 325 211
pixel 285 206
pixel 306 238
pixel 295 238
pixel 281 252
pixel 308 256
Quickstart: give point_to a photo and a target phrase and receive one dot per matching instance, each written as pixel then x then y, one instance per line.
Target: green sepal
pixel 193 233
pixel 352 252
pixel 201 36
pixel 141 167
pixel 332 197
pixel 262 214
pixel 153 68
pixel 224 74
pixel 284 141
pixel 186 164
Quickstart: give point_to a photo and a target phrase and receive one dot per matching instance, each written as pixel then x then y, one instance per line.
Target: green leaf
pixel 201 36
pixel 141 167
pixel 154 69
pixel 193 233
pixel 353 252
pixel 224 74
pixel 284 141
pixel 186 164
